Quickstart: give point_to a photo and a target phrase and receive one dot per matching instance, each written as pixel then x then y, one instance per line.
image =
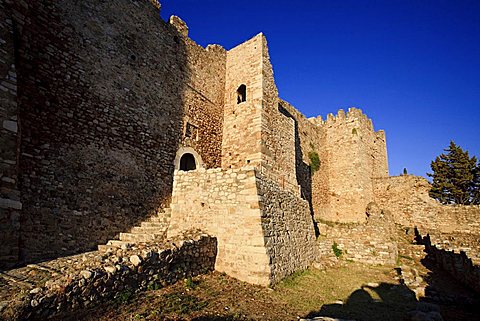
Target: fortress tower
pixel 105 124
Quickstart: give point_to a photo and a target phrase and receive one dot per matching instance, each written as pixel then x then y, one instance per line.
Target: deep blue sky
pixel 411 66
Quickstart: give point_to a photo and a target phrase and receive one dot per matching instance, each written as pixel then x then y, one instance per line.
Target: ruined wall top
pixel 179 24
pixel 156 4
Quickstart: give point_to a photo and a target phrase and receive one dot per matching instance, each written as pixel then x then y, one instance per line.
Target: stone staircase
pixel 154 229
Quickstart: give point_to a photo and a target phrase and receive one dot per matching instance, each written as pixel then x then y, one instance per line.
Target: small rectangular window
pixel 191 131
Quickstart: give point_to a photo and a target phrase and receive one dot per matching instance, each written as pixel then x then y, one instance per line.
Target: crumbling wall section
pixel 372 242
pixel 407 197
pixel 88 279
pixel 458 264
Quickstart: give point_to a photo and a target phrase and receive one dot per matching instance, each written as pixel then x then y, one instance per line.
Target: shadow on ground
pixel 445 299
pixel 373 302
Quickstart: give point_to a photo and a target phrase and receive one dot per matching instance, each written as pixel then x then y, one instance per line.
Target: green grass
pixel 123 297
pixel 315 291
pixel 181 303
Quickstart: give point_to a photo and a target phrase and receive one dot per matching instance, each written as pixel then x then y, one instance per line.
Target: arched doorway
pixel 187 162
pixel 187 159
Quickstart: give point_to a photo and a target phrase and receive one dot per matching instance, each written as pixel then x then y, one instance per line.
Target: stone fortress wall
pixel 451 227
pixel 104 95
pixel 351 153
pixel 10 205
pixel 101 101
pixel 407 198
pixel 264 232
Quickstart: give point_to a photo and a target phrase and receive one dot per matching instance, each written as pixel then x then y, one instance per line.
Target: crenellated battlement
pixel 353 114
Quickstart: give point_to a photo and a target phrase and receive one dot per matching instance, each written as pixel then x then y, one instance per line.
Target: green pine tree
pixel 455 177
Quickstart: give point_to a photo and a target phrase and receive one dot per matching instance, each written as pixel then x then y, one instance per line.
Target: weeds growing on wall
pixel 338 252
pixel 314 161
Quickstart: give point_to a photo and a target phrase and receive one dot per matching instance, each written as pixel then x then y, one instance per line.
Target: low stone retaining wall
pixel 459 265
pixel 372 242
pixel 82 280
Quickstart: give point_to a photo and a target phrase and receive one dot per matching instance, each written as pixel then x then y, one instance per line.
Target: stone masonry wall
pixel 204 97
pixel 255 132
pixel 264 232
pixel 459 265
pixel 91 278
pixel 104 93
pixel 278 132
pixel 10 204
pixel 242 131
pixel 349 162
pixel 407 198
pixel 223 203
pixel 307 140
pixel 288 229
pixel 372 242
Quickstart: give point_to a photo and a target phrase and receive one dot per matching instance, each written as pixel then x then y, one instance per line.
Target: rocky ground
pixel 412 289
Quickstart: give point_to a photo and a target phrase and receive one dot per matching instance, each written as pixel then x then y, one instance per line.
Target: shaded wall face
pixel 307 141
pixel 288 229
pixel 278 132
pixel 103 94
pixel 10 204
pixel 202 126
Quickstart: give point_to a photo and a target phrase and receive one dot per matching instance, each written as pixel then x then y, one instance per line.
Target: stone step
pixel 148 230
pixel 158 219
pixel 158 225
pixel 114 244
pixel 131 237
